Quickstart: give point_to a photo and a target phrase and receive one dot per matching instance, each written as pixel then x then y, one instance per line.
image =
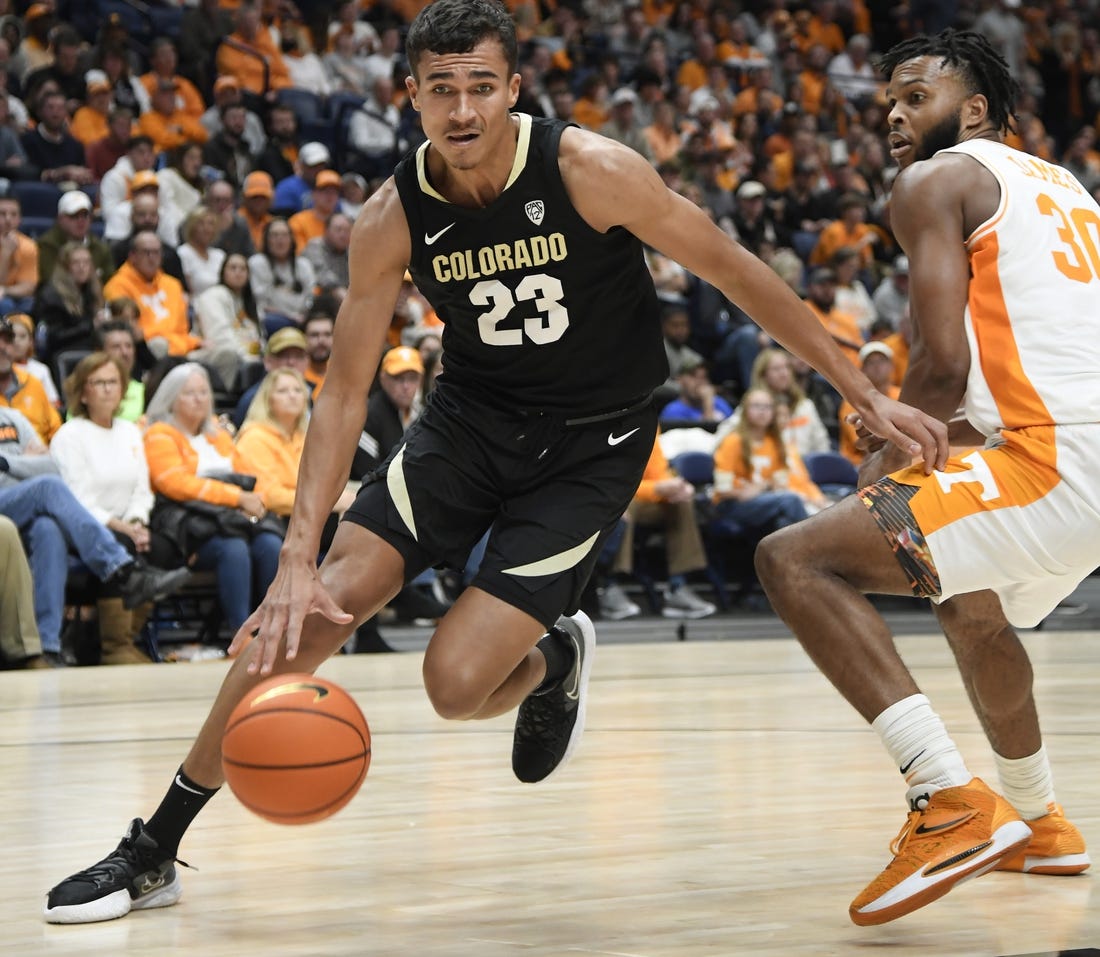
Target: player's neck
pixel 480 185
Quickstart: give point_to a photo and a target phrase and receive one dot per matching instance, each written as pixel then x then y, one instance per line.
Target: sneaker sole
pixel 1009 839
pixel 1064 864
pixel 588 637
pixel 620 615
pixel 113 906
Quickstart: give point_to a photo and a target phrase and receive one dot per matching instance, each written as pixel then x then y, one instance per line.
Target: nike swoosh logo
pixel 574 692
pixel 905 770
pixel 616 439
pixel 150 884
pixel 179 781
pixel 931 829
pixel 430 240
pixel 292 687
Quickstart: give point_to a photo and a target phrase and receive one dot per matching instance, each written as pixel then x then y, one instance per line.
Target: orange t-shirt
pixel 767 467
pixel 843 328
pixel 30 398
pixel 848 436
pixel 188 99
pixel 248 69
pixel 163 305
pixel 305 226
pixel 89 125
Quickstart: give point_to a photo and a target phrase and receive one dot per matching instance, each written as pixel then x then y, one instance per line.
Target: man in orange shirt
pixel 91 122
pixel 851 229
pixel 310 223
pixel 261 62
pixel 821 298
pixel 167 125
pixel 257 195
pixel 163 62
pixel 21 391
pixel 877 361
pixel 18 261
pixel 163 303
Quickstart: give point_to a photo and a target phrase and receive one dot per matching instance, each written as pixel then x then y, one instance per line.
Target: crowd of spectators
pixel 184 193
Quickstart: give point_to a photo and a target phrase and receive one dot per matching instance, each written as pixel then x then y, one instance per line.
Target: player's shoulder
pixel 944 177
pixel 587 152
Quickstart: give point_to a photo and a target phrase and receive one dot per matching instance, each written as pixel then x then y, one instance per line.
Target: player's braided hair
pixel 974 58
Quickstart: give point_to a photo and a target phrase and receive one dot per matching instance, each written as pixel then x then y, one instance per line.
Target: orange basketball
pixel 296 749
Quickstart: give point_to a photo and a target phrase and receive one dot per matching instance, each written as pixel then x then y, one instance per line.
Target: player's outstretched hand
pixel 911 431
pixel 296 591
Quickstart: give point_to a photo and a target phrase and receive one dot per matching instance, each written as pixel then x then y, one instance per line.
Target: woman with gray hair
pixel 192 460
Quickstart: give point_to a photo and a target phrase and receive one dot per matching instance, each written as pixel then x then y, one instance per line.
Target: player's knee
pixel 775 558
pixel 454 688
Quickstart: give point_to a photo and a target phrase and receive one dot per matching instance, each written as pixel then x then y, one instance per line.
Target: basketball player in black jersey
pixel 526 236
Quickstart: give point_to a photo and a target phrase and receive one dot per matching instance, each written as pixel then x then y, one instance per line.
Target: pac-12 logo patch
pixel 535 210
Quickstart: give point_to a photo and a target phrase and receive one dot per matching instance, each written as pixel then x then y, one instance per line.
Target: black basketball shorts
pixel 546 488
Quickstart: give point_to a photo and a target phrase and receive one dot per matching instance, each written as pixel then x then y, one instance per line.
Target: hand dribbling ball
pixel 296 749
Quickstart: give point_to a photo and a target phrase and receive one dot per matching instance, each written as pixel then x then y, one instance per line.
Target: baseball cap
pixel 286 338
pixel 702 100
pixel 402 359
pixel 226 83
pixel 142 180
pixel 901 265
pixel 821 274
pixel 36 10
pixel 314 154
pixel 751 189
pixel 73 202
pixel 258 183
pixel 875 348
pixel 690 364
pixel 327 177
pixel 623 95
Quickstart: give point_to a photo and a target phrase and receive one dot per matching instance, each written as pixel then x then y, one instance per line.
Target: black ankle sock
pixel 558 653
pixel 181 804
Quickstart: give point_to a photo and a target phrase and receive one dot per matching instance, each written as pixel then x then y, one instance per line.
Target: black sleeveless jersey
pixel 540 310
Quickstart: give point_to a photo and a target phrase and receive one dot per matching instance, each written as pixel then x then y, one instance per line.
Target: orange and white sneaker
pixel 1056 847
pixel 963 832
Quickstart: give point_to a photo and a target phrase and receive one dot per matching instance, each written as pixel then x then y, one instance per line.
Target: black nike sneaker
pixel 136 876
pixel 549 724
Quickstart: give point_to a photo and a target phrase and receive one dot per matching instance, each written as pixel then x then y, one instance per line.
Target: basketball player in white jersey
pixel 1005 297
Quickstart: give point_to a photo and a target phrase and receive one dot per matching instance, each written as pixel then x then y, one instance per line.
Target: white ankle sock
pixel 921 749
pixel 1027 783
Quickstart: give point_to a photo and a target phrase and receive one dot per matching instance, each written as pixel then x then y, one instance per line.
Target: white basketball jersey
pixel 1033 311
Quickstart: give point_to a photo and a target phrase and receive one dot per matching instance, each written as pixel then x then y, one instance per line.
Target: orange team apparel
pixel 30 398
pixel 168 132
pixel 843 328
pixel 248 69
pixel 262 450
pixel 188 99
pixel 305 226
pixel 1022 515
pixel 767 467
pixel 173 467
pixel 163 305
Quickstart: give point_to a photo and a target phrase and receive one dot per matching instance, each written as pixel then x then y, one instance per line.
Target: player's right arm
pixel 379 254
pixel 932 204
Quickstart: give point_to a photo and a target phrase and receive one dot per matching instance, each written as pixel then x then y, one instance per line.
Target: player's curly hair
pixel 457 26
pixel 974 58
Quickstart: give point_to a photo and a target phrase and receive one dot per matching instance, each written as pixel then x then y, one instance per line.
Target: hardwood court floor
pixel 725 801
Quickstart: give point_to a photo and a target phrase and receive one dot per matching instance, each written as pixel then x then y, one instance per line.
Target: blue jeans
pixel 767 512
pixel 52 522
pixel 244 569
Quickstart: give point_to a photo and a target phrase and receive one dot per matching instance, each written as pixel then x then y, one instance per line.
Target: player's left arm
pixel 611 185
